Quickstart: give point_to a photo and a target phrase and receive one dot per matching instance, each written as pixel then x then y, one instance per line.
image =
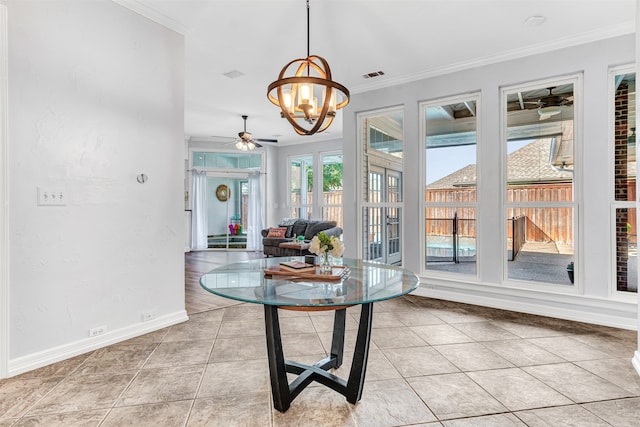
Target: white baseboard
pixel 577 308
pixel 37 360
pixel 636 361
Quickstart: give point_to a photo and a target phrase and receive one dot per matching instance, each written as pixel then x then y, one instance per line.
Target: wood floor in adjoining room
pixel 196 264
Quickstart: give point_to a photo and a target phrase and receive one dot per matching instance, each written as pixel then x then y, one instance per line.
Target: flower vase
pixel 325 264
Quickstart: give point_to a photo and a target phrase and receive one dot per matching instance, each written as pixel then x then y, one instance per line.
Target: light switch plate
pixel 51 196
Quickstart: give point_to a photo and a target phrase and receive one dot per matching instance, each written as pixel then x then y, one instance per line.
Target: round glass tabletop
pixel 354 282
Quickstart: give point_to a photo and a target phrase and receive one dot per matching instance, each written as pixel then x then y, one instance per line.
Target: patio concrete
pixel 538 262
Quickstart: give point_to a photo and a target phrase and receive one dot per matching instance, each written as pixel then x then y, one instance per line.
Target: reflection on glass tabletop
pixel 365 282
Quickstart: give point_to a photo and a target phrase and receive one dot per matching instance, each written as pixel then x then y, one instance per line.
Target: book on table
pixel 297 266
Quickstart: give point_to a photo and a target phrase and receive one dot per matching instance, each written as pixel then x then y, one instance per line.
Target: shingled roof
pixel 529 164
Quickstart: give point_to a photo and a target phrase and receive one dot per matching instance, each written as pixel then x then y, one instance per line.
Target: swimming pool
pixel 442 247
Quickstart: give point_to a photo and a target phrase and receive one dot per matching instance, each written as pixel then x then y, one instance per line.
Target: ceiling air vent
pixel 374 74
pixel 233 74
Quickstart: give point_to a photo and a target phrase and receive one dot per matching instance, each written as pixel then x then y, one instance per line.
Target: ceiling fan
pixel 550 104
pixel 246 141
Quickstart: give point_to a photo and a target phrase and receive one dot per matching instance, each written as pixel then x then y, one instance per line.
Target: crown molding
pixel 154 15
pixel 583 38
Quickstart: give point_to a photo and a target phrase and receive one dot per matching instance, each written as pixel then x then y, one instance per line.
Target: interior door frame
pixel 237 173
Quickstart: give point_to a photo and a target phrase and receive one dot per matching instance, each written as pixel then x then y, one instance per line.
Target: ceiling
pixel 407 40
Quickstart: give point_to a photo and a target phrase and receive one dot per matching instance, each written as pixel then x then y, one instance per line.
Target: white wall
pixel 95 98
pixel 592 302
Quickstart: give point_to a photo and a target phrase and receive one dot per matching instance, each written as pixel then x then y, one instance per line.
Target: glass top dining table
pixel 351 282
pixel 356 282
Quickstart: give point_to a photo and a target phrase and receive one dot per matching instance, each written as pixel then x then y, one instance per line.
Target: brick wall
pixel 621 184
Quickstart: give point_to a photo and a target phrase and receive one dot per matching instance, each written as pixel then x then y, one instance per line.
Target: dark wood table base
pixel 284 393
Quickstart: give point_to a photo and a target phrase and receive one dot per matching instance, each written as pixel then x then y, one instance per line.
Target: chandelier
pixel 297 93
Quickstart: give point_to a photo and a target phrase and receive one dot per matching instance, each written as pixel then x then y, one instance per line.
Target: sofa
pixel 288 228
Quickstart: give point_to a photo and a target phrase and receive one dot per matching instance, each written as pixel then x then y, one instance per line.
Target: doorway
pixel 384 219
pixel 227 212
pixel 227 208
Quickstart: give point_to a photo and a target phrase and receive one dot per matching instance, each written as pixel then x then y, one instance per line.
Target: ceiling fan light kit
pixel 247 142
pixel 301 83
pixel 550 111
pixel 244 145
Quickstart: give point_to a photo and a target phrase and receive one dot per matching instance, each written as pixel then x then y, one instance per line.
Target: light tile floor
pixel 432 363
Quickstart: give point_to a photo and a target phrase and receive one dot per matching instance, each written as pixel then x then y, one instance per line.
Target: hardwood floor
pixel 196 264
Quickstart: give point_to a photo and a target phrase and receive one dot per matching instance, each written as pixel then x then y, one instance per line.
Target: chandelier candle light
pixel 297 94
pixel 323 246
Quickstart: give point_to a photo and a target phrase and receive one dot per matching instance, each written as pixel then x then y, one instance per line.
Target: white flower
pixel 321 243
pixel 338 247
pixel 315 246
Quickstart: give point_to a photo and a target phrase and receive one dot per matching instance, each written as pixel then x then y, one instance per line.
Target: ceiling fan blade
pixel 266 140
pixel 226 138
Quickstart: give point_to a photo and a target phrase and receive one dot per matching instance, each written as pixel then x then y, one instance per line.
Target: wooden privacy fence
pixel 542 225
pixel 331 200
pixel 518 235
pixel 548 224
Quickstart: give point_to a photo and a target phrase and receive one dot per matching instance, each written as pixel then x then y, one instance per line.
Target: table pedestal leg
pixel 284 393
pixel 277 371
pixel 360 355
pixel 337 340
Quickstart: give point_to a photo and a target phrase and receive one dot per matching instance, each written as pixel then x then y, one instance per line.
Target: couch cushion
pixel 274 241
pixel 277 232
pixel 299 227
pixel 316 227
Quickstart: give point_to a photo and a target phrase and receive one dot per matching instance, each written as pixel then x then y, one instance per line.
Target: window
pixel 301 186
pixel 623 81
pixel 381 141
pixel 450 145
pixel 332 187
pixel 539 196
pixel 213 160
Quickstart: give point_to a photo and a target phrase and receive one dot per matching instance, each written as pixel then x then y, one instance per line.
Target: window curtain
pixel 199 223
pixel 254 214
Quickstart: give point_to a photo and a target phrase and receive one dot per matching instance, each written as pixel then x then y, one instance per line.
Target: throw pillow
pixel 277 232
pixel 288 222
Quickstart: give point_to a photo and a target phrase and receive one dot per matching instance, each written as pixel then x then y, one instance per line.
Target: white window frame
pixel 471 96
pixel 614 293
pixel 577 203
pixel 320 174
pixel 360 190
pixel 310 203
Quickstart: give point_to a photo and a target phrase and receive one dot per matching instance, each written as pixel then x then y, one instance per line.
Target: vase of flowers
pixel 325 247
